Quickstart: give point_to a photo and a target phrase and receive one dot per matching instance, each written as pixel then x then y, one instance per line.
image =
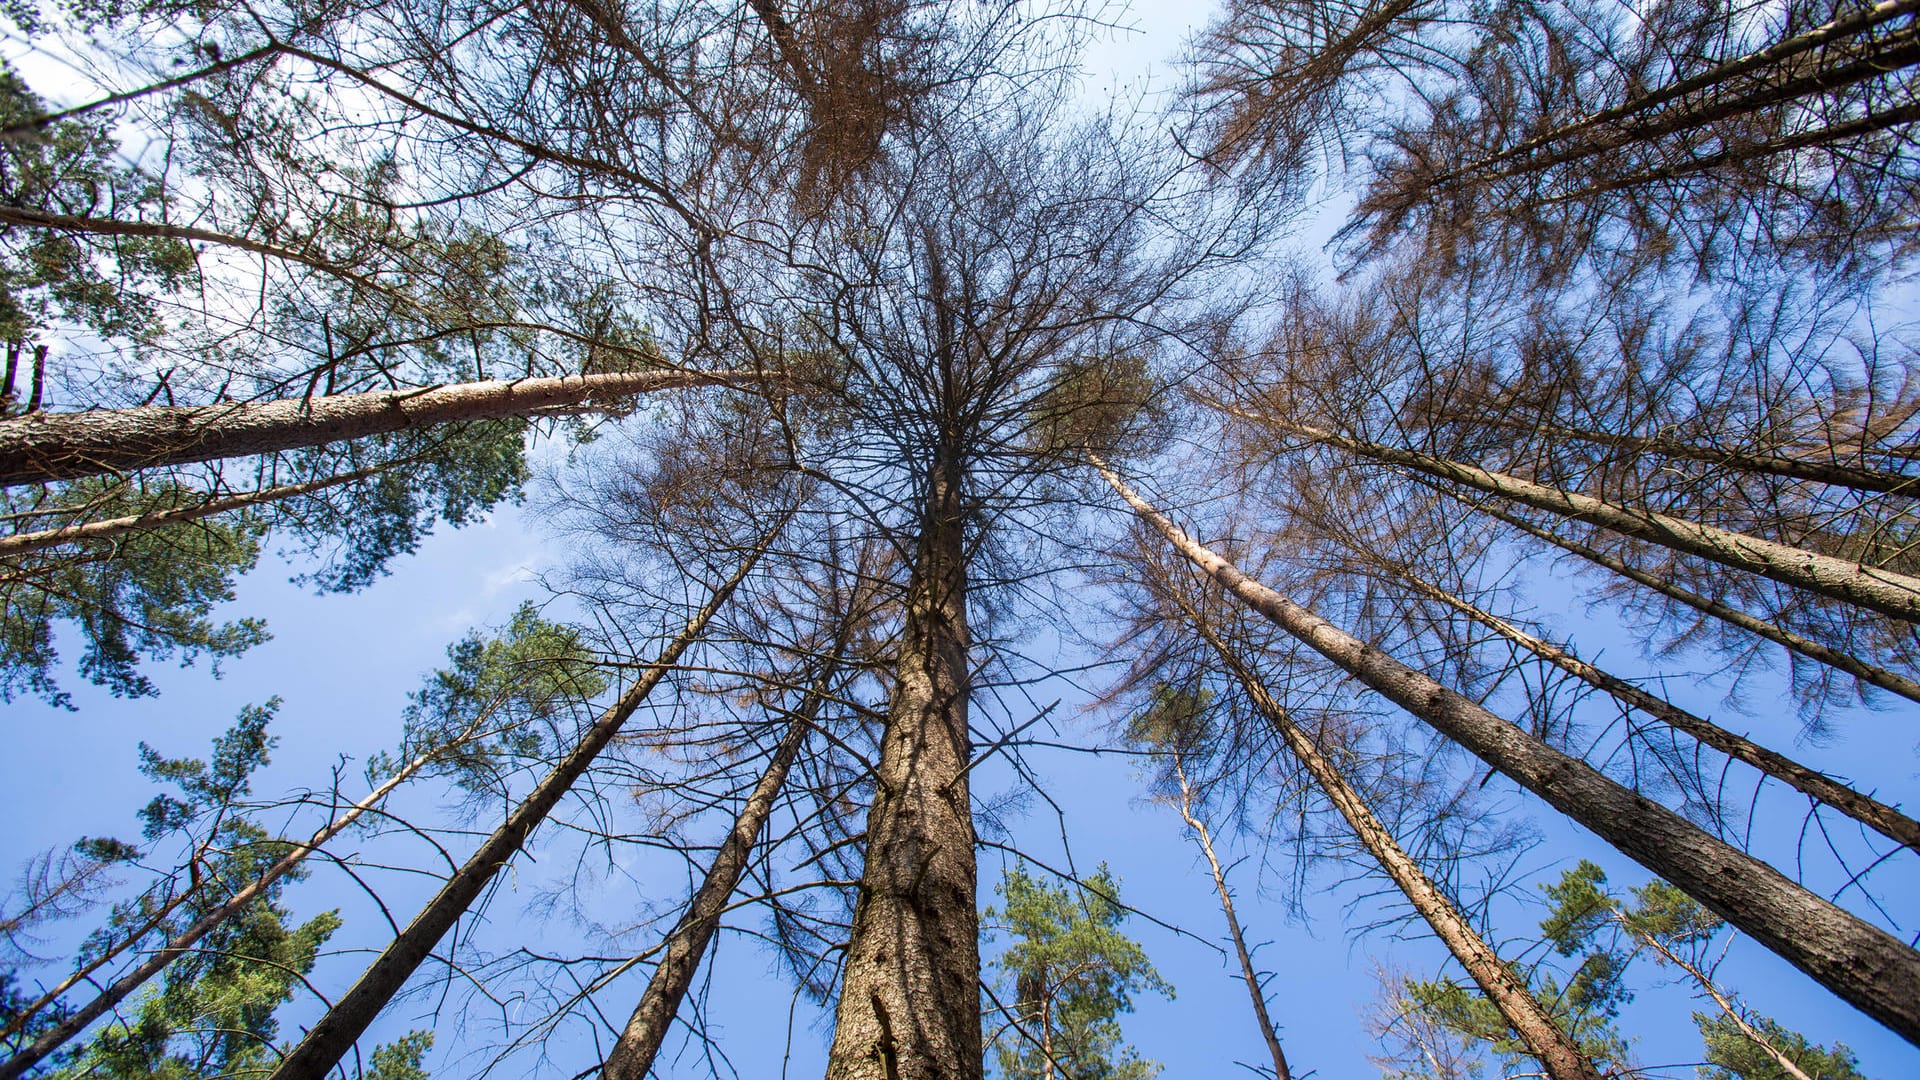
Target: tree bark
pixel 686 944
pixel 63 446
pixel 1868 811
pixel 343 1024
pixel 1893 594
pixel 910 996
pixel 1787 639
pixel 1515 1001
pixel 117 991
pixel 1863 964
pixel 1204 837
pixel 23 543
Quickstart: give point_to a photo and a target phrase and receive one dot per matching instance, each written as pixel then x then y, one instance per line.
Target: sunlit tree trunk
pixel 335 1032
pixel 910 994
pixel 1204 837
pixel 686 944
pixel 1885 591
pixel 1861 963
pixel 1867 811
pixel 62 446
pixel 1797 643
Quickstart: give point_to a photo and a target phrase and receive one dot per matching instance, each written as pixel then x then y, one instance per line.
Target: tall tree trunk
pixel 1885 591
pixel 336 1031
pixel 1787 639
pixel 910 994
pixel 117 991
pixel 1516 1003
pixel 23 543
pixel 1856 477
pixel 686 944
pixel 63 446
pixel 1870 812
pixel 1861 963
pixel 1204 837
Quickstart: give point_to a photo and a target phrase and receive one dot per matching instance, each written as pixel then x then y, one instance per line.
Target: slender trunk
pixel 1258 997
pixel 180 943
pixel 686 944
pixel 63 446
pixel 1861 963
pixel 335 1032
pixel 39 378
pixel 910 996
pixel 1765 464
pixel 1890 593
pixel 1517 1004
pixel 1787 639
pixel 1870 812
pixel 1829 33
pixel 1787 1064
pixel 22 543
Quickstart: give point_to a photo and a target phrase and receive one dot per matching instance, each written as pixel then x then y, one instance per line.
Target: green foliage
pixel 1174 720
pixel 1068 974
pixel 146 596
pixel 490 704
pixel 1096 403
pixel 400 1059
pixel 1733 1056
pixel 69 168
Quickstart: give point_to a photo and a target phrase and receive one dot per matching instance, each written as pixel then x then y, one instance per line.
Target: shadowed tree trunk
pixel 910 995
pixel 1804 646
pixel 1870 812
pixel 1517 1004
pixel 1861 963
pixel 343 1024
pixel 686 944
pixel 63 446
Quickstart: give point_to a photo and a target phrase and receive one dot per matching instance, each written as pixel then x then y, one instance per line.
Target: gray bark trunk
pixel 1890 593
pixel 1870 812
pixel 335 1033
pixel 1516 1002
pixel 1863 964
pixel 1805 646
pixel 63 446
pixel 686 944
pixel 910 994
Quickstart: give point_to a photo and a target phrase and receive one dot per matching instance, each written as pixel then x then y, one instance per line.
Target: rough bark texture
pixel 1870 812
pixel 1518 1006
pixel 1204 837
pixel 22 543
pixel 1863 964
pixel 910 996
pixel 1807 647
pixel 63 446
pixel 118 990
pixel 687 943
pixel 1889 593
pixel 335 1032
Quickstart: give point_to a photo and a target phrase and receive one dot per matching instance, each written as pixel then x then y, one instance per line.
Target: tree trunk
pixel 1764 464
pixel 1517 1004
pixel 686 944
pixel 1259 998
pixel 63 446
pixel 22 543
pixel 76 1022
pixel 335 1032
pixel 1787 639
pixel 1861 963
pixel 1890 593
pixel 1870 812
pixel 910 995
